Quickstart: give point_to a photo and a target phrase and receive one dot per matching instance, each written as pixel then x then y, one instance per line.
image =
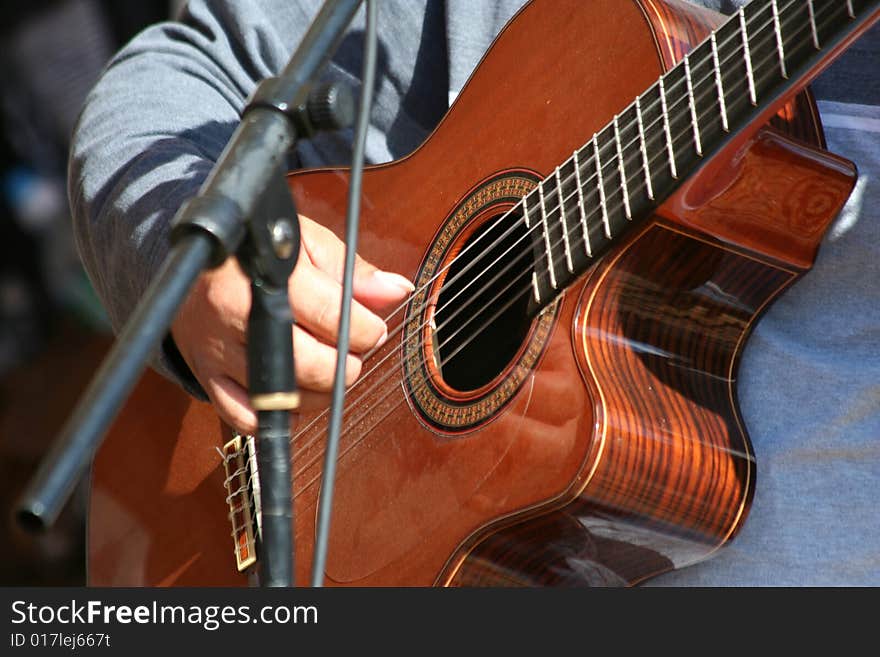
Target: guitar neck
pixel 737 76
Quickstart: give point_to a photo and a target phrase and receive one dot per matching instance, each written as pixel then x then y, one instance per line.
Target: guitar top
pixel 556 403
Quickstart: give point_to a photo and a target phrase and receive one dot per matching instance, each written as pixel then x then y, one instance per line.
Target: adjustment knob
pixel 331 106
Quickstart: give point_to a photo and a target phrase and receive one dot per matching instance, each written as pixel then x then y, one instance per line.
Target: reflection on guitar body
pixel 593 230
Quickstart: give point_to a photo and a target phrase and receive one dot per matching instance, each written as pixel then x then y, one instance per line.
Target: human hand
pixel 210 328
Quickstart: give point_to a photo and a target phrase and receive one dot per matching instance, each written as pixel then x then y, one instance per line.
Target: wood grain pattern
pixel 621 456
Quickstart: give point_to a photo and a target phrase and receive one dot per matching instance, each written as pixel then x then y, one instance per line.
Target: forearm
pixel 151 131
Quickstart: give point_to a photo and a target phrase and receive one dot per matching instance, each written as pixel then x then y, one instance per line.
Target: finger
pixel 315 371
pixel 381 289
pixel 315 363
pixel 225 298
pixel 327 252
pixel 316 300
pixel 231 402
pixel 371 286
pixel 223 355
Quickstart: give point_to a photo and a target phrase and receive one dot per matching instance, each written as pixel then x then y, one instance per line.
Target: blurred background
pixel 53 331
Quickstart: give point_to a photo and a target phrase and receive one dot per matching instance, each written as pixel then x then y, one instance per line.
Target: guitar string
pixel 496 295
pixel 771 58
pixel 617 207
pixel 424 381
pixel 553 193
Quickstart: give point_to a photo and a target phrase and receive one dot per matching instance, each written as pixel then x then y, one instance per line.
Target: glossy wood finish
pixel 658 334
pixel 622 456
pixel 679 25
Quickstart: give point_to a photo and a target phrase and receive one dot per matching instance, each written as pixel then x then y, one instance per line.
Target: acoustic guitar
pixel 593 229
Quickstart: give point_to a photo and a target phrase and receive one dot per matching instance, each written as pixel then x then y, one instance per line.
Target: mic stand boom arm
pixel 207 230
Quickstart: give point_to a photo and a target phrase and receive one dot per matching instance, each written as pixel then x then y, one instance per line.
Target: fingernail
pixel 390 278
pixel 383 339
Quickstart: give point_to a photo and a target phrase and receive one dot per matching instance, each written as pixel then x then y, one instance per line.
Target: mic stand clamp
pixel 238 202
pixel 267 254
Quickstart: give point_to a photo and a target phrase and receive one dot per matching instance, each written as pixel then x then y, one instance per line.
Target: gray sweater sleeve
pixel 155 124
pixel 152 129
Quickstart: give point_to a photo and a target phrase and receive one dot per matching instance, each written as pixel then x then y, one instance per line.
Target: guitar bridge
pixel 242 485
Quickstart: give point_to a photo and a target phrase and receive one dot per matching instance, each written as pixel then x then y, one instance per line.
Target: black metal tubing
pixel 273 459
pixel 325 502
pixel 75 446
pixel 206 231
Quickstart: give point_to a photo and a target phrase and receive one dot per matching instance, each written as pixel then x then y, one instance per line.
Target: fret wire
pixel 580 204
pixel 302 432
pixel 535 289
pixel 645 167
pixel 644 154
pixel 849 9
pixel 566 243
pixel 779 45
pixel 601 187
pixel 642 142
pixel 667 130
pixel 693 105
pixel 642 138
pixel 645 158
pixel 722 105
pixel 622 170
pixel 716 57
pixel 550 268
pixel 813 25
pixel 747 55
pixel 765 25
pixel 534 275
pixel 637 101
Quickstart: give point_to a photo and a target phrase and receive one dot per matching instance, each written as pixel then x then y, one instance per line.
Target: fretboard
pixel 639 158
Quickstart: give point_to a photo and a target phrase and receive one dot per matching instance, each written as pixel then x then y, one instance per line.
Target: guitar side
pixel 622 453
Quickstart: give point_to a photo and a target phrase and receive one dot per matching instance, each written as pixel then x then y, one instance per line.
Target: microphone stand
pixel 243 208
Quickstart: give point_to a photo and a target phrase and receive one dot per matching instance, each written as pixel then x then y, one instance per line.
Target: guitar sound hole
pixel 481 316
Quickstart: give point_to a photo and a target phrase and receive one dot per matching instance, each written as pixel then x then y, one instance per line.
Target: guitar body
pixel 606 446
